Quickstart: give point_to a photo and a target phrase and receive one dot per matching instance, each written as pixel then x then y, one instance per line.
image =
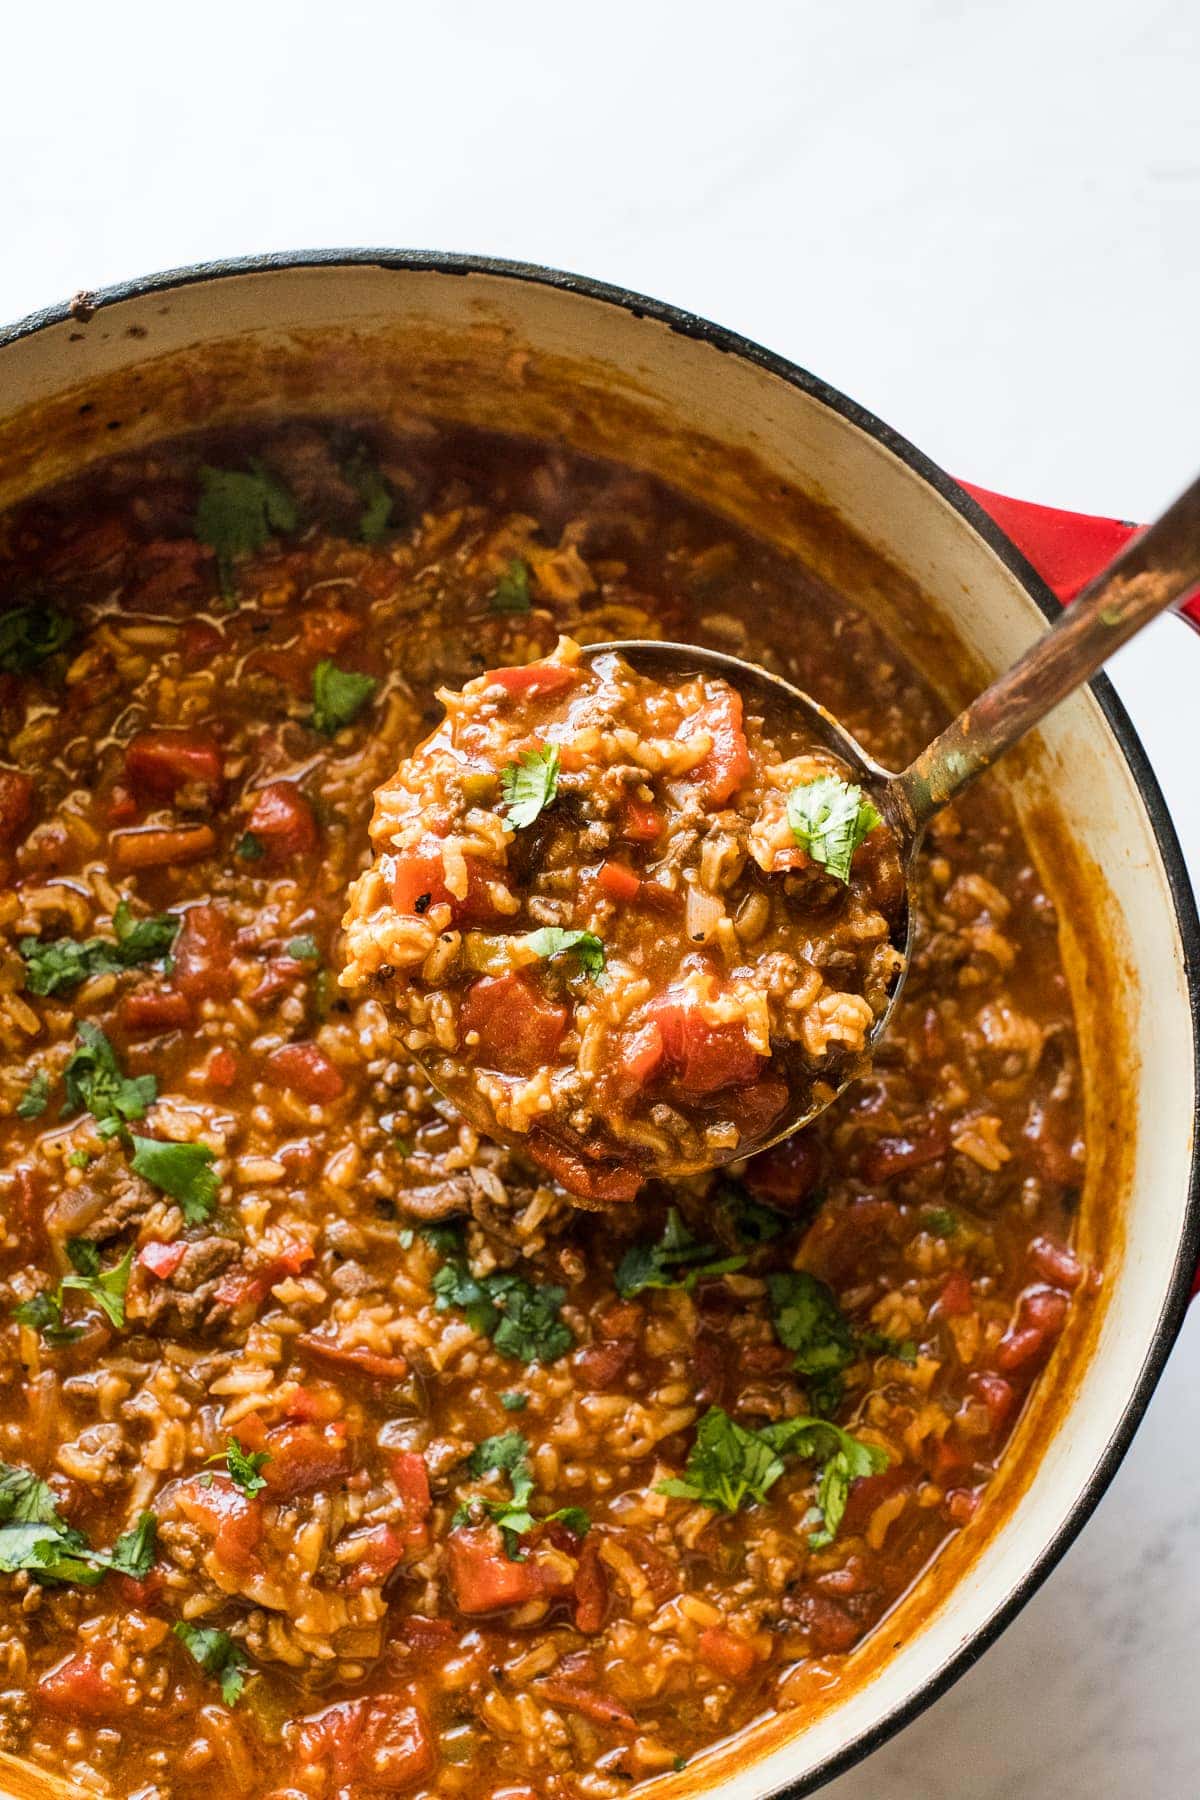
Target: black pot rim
pixel 691 325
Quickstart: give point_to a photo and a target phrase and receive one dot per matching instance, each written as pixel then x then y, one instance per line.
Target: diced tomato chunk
pixel 601 1179
pixel 642 822
pixel 518 1029
pixel 157 845
pixel 955 1299
pixel 318 1402
pixel 639 1055
pixel 702 1057
pixel 383 1550
pixel 16 805
pixel 241 1285
pixel 726 766
pixel 324 631
pixel 425 1635
pixel 412 1483
pixel 305 1070
pixel 221 1070
pixel 617 882
pixel 483 1578
pixel 868 1491
pixel 284 823
pixel 532 678
pixel 203 954
pixel 199 642
pixel 148 1010
pixel 140 1591
pixel 120 807
pixel 80 1690
pixel 160 763
pixel 591 1588
pixel 730 1655
pixel 305 1457
pixel 589 1701
pixel 377 1745
pixel 162 1259
pixel 419 882
pixel 602 1366
pixel 787 1174
pixel 233 1519
pixel 356 1360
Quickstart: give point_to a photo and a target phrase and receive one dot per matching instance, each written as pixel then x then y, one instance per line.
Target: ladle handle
pixel 1155 570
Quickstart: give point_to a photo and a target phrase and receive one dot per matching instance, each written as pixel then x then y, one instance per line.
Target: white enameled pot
pixel 524 349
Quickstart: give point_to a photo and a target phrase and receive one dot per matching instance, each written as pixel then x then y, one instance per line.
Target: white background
pixel 979 217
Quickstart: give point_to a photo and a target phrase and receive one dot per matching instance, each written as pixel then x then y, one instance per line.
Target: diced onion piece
pixel 702 914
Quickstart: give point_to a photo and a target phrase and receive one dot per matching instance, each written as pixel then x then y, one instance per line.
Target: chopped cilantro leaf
pixel 24 1498
pixel 249 847
pixel 95 1083
pixel 529 785
pixel 752 1221
pixel 524 1322
pixel 531 1327
pixel 511 592
pixel 304 949
pixel 726 1465
pixel 553 940
pixel 30 634
pixel 184 1171
pixel 134 1551
pixel 374 490
pixel 874 1343
pixel 34 1537
pixel 65 962
pixel 830 818
pixel 217 1654
pixel 238 512
pixel 143 940
pixel 244 1466
pixel 83 1256
pixel 575 1518
pixel 809 1321
pixel 513 1402
pixel 676 1260
pixel 43 1313
pixel 938 1219
pixel 729 1465
pixel 509 1455
pixel 78 1159
pixel 445 1239
pixel 339 695
pixel 106 1287
pixel 842 1459
pixel 36 1098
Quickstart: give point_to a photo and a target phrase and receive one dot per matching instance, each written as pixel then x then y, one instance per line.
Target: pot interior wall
pixel 514 354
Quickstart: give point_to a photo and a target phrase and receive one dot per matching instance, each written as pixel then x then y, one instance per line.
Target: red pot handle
pixel 1066 549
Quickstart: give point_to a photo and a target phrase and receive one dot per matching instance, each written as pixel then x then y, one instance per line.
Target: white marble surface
pixel 980 217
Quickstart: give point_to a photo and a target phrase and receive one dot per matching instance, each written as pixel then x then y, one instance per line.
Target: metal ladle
pixel 1155 570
